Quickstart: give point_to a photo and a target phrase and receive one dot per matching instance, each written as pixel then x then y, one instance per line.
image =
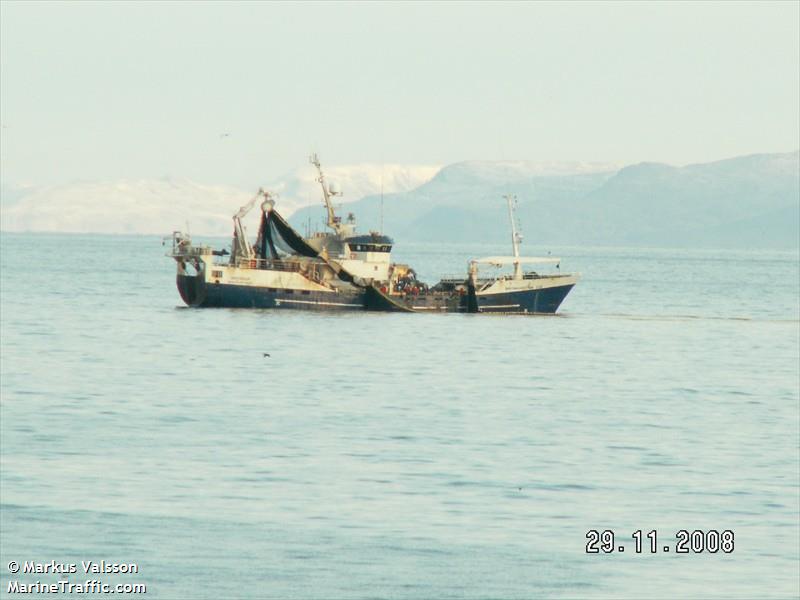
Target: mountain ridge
pixel 739 201
pixel 644 204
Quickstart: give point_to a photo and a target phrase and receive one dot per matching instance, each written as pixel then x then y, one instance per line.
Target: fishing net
pixel 277 240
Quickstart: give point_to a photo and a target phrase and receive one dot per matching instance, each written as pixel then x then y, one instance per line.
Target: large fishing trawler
pixel 341 270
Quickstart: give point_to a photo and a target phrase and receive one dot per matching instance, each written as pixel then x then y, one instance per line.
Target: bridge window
pixel 370 248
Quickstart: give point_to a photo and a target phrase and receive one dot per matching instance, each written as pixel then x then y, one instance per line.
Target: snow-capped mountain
pixel 301 188
pixel 508 172
pixel 161 205
pixel 145 206
pixel 744 201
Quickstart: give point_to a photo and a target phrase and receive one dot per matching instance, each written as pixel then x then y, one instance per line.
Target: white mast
pixel 516 237
pixel 333 221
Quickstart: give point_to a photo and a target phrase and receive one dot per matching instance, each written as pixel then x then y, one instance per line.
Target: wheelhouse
pixel 370 243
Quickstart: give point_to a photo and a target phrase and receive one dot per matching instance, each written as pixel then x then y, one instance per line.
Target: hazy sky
pixel 112 90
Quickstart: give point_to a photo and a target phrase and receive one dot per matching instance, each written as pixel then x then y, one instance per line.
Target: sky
pixel 241 93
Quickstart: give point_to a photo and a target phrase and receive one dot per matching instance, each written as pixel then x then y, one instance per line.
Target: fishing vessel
pixel 339 269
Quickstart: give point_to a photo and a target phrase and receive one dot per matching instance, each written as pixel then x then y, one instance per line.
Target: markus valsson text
pixel 85 566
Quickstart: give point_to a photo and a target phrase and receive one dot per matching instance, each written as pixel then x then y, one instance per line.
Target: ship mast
pixel 516 237
pixel 334 222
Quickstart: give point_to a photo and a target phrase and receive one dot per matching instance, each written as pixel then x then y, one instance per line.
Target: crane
pixel 241 247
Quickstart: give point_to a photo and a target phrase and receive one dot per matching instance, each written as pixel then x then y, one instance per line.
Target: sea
pixel 217 453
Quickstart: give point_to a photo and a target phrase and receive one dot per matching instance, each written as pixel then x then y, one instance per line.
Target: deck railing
pixel 311 270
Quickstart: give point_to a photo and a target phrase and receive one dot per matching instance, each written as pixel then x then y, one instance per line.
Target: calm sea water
pixel 402 456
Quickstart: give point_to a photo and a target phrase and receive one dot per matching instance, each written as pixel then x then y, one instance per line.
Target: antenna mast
pixel 334 222
pixel 516 237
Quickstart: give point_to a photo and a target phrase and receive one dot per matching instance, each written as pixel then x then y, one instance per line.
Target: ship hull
pixel 540 301
pixel 531 301
pixel 197 293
